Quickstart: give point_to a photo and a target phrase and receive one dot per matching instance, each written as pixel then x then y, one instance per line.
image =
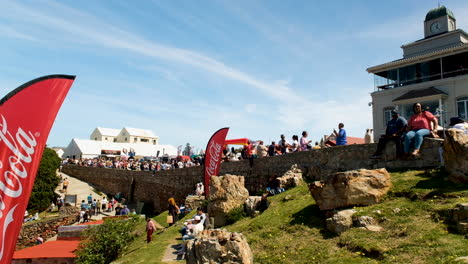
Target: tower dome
pixel 439 12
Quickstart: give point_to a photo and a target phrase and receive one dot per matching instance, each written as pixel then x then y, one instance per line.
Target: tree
pixel 46 181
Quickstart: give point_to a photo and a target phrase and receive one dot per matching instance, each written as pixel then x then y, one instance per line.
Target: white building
pixel 104 134
pixel 125 135
pixel 433 71
pixel 85 149
pixel 111 143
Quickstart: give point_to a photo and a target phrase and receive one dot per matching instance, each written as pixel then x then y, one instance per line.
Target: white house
pixel 85 148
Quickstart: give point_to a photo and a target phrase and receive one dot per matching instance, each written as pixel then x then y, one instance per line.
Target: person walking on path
pixel 340 135
pixel 90 198
pixel 150 228
pixel 173 210
pixel 65 185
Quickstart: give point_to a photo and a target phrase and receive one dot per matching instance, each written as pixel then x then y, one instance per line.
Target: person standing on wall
pixel 340 135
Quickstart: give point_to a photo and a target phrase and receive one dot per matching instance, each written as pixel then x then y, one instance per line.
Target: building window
pixel 135 140
pixel 387 115
pixel 106 138
pixel 144 140
pixel 154 141
pixel 462 107
pixel 125 139
pixel 115 140
pixel 406 110
pixel 95 138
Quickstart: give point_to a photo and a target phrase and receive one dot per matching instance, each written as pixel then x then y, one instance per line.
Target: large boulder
pixel 226 193
pixel 341 221
pixel 456 155
pixel 349 188
pixel 219 246
pixel 291 178
pixel 252 204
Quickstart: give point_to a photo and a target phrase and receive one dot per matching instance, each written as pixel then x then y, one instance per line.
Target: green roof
pixel 439 12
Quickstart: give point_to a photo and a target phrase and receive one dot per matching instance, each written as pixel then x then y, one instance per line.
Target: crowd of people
pixel 136 165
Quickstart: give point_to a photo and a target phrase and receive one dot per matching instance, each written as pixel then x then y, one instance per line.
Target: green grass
pixel 141 252
pixel 293 230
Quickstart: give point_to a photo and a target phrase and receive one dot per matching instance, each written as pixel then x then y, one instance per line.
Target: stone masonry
pixel 156 187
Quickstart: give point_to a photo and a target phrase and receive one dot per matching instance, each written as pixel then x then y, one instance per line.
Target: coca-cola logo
pixel 22 146
pixel 215 150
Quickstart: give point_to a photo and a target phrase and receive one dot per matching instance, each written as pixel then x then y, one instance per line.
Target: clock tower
pixel 439 20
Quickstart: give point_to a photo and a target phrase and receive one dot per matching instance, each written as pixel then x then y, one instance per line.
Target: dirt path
pixel 170 255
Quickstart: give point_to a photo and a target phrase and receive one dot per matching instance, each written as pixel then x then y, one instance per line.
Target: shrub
pixel 106 242
pixel 46 181
pixel 235 215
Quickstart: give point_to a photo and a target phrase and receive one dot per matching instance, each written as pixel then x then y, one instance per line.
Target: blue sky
pixel 187 68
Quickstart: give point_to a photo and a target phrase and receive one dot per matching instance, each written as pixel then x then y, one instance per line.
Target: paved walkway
pixel 82 190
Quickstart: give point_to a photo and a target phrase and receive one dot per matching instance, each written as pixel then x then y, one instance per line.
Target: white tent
pixel 84 148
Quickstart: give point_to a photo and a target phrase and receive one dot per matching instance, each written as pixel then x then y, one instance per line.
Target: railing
pixel 434 77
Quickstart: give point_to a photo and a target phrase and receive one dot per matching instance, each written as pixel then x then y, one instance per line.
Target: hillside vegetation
pixel 292 229
pixel 45 183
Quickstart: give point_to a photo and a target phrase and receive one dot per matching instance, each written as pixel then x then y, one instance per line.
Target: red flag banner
pixel 213 155
pixel 26 117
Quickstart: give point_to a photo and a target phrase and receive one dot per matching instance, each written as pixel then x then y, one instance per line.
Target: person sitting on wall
pixel 396 127
pixel 419 126
pixel 271 149
pixel 273 186
pixel 459 123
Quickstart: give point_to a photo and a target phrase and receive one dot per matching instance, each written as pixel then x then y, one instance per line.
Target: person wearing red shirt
pixel 419 126
pixel 150 228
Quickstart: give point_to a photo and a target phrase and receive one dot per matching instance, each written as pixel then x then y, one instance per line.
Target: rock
pixel 373 228
pixel 226 193
pixel 368 223
pixel 364 221
pixel 357 187
pixel 456 155
pixel 462 259
pixel 288 198
pixel 291 178
pixel 458 218
pixel 252 204
pixel 219 246
pixel 341 221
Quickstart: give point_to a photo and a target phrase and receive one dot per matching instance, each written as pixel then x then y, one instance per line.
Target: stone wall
pixel 46 228
pixel 156 187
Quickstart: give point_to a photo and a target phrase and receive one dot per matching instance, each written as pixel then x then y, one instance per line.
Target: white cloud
pixel 250 108
pixel 292 110
pixel 10 32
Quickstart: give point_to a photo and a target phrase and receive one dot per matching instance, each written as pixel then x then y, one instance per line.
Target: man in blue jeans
pixel 396 127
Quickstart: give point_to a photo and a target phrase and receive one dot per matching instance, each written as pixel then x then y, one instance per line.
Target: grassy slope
pixel 141 252
pixel 293 230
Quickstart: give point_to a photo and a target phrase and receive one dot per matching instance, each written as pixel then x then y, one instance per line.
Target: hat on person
pixel 197 218
pixel 455 120
pixel 394 112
